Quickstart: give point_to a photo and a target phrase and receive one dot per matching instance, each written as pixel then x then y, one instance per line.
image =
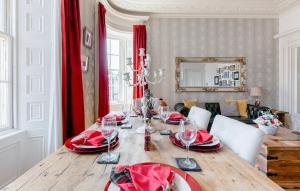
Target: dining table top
pixel 67 170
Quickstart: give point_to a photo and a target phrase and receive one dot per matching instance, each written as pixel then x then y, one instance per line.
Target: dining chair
pixel 244 140
pixel 200 116
pixel 295 122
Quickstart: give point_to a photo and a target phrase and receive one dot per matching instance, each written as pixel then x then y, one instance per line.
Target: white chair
pixel 200 116
pixel 295 122
pixel 242 139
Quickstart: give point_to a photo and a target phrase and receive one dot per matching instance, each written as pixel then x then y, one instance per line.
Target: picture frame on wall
pixel 84 63
pixel 236 75
pixel 217 80
pixel 87 38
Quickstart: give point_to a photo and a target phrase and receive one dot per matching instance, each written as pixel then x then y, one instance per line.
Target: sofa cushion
pixel 242 107
pixel 229 109
pixel 189 103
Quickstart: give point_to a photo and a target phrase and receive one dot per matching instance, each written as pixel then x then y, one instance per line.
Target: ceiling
pixel 244 8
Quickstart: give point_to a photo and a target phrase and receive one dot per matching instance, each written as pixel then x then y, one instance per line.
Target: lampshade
pixel 256 91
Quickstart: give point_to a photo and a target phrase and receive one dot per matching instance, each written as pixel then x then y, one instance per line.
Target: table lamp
pixel 256 92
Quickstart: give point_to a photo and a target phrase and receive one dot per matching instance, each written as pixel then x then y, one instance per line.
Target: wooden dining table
pixel 66 170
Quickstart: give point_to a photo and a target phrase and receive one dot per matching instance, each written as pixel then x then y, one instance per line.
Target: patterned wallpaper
pixel 251 38
pixel 87 8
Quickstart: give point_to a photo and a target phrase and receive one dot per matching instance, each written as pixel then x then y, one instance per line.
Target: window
pixel 6 99
pixel 117 51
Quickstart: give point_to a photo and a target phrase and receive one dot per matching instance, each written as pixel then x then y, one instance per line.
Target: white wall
pixel 289 19
pixel 289 42
pixel 219 37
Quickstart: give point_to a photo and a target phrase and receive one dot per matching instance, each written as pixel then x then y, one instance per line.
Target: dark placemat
pixel 196 169
pixel 126 126
pixel 165 132
pixel 101 161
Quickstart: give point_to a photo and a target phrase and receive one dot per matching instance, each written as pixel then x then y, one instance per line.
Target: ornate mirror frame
pixel 241 60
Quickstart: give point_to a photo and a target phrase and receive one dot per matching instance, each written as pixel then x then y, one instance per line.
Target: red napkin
pixel 203 136
pixel 147 177
pixel 176 116
pixel 89 137
pixel 118 118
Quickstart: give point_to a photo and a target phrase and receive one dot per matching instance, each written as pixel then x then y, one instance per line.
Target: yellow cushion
pixel 242 107
pixel 189 103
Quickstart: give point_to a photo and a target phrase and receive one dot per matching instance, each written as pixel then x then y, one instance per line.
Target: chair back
pixel 295 122
pixel 242 139
pixel 200 116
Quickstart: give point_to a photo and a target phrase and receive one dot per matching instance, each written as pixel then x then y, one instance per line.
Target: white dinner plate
pixel 214 142
pixel 179 182
pixel 114 135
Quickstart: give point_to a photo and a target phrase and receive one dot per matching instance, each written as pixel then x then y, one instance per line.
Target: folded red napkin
pixel 176 116
pixel 142 177
pixel 203 136
pixel 89 137
pixel 118 118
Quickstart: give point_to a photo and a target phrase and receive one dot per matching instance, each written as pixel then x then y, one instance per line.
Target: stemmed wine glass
pixel 187 135
pixel 164 114
pixel 108 128
pixel 126 110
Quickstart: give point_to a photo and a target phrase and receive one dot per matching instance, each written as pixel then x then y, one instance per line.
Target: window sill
pixel 10 132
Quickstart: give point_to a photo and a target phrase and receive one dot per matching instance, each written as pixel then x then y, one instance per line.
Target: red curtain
pixel 103 106
pixel 139 41
pixel 72 90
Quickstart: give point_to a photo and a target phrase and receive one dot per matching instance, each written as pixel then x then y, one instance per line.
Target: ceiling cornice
pixel 204 8
pixel 121 21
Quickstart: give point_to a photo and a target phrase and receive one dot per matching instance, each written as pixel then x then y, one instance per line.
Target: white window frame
pixel 10 35
pixel 124 53
pixel 10 77
pixel 121 60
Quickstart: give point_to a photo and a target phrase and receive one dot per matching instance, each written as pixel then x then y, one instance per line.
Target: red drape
pixel 139 41
pixel 72 90
pixel 103 106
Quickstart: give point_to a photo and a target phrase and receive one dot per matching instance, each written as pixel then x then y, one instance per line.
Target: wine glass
pixel 187 135
pixel 164 115
pixel 126 109
pixel 108 128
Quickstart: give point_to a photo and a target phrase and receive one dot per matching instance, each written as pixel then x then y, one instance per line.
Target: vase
pixel 268 129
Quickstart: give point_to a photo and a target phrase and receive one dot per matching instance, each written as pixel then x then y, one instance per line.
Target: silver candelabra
pixel 144 76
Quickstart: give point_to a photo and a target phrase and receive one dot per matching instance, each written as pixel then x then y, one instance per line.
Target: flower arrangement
pixel 268 119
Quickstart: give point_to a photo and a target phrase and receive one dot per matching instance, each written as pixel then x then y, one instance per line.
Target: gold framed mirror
pixel 210 74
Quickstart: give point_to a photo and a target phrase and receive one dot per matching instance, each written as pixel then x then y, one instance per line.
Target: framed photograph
pixel 236 75
pixel 84 63
pixel 87 38
pixel 232 67
pixel 217 79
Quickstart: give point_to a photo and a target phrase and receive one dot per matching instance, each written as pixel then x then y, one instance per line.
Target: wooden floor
pixel 65 170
